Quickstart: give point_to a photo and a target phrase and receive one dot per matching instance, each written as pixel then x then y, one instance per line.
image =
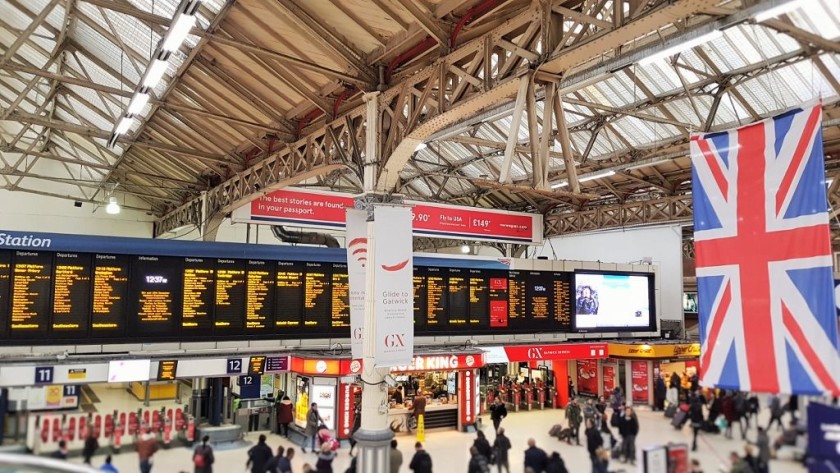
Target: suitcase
pixel 555 430
pixel 670 411
pixel 679 420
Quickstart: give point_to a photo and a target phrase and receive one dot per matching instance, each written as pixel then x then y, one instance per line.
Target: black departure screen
pixel 5 285
pixel 539 299
pixel 71 294
pixel 290 280
pixel 110 294
pixel 562 301
pixel 31 284
pixel 340 315
pixel 479 299
pixel 517 282
pixel 231 288
pixel 436 298
pixel 260 296
pixel 459 297
pixel 155 289
pixel 316 296
pixel 198 296
pixel 420 298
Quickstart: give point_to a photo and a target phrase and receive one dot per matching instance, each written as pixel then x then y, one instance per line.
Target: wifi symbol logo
pixel 358 250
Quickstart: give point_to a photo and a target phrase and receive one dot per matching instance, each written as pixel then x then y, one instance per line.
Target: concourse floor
pixel 449 449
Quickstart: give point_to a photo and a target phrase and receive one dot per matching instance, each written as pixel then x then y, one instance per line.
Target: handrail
pixel 47 465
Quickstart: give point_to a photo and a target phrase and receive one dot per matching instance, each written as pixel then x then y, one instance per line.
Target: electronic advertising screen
pixel 613 302
pixel 690 302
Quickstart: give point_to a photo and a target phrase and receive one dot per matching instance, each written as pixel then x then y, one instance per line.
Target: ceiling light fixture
pixel 137 103
pixel 155 73
pixel 465 249
pixel 559 185
pixel 123 126
pixel 688 44
pixel 178 32
pixel 786 7
pixel 597 175
pixel 113 208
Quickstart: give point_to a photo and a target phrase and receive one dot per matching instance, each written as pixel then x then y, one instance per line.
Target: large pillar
pixel 374 436
pixel 217 397
pixel 561 381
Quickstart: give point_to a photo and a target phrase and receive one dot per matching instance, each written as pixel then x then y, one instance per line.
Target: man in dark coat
pixel 258 456
pixel 502 446
pixel 535 458
pixel 483 445
pixel 573 414
pixel 594 441
pixel 91 445
pixel 478 462
pixel 660 390
pixel 628 427
pixel 421 462
pixel 695 413
pixel 498 411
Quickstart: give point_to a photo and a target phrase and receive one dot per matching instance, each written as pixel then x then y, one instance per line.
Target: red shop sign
pixel 442 362
pixel 327 209
pixel 639 378
pixel 575 351
pixel 468 399
pixel 609 377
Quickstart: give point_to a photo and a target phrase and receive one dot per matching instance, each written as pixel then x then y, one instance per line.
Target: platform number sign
pixel 44 374
pixel 248 380
pixel 234 366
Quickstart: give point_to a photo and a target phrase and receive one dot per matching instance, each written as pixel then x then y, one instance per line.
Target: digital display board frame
pixel 178 278
pixel 614 296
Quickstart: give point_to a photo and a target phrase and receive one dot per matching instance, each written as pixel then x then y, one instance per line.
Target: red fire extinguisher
pixel 132 423
pixel 45 430
pixel 56 430
pixel 83 427
pixel 109 426
pixel 180 422
pixel 119 430
pixel 71 429
pixel 97 426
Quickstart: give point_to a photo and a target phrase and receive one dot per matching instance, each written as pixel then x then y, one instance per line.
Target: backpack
pixel 199 458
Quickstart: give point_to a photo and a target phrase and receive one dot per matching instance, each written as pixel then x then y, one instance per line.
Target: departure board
pixel 154 294
pixel 71 299
pixel 31 284
pixel 539 297
pixel 420 296
pixel 316 296
pixel 436 298
pixel 198 296
pixel 458 291
pixel 289 294
pixel 110 294
pixel 5 284
pixel 498 299
pixel 167 370
pixel 230 296
pixel 260 295
pixel 479 298
pixel 517 282
pixel 562 297
pixel 340 315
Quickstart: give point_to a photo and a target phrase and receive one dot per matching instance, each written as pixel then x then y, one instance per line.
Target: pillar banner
pixel 467 396
pixel 587 377
pixel 639 377
pixel 609 378
pixel 394 283
pixel 356 259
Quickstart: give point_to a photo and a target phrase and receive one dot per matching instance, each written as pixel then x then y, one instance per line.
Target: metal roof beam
pixel 24 37
pixel 427 21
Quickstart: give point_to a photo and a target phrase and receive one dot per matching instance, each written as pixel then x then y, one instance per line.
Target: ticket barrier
pixel 516 397
pixel 45 431
pixel 552 397
pixel 527 397
pixel 540 394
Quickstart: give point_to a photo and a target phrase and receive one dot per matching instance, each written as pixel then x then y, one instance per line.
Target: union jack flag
pixel 764 271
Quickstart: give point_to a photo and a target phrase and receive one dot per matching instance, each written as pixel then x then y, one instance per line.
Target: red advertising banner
pixel 609 377
pixel 468 396
pixel 587 377
pixel 346 410
pixel 572 351
pixel 639 378
pixel 327 210
pixel 678 458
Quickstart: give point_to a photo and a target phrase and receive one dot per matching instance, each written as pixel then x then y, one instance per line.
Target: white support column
pixel 628 382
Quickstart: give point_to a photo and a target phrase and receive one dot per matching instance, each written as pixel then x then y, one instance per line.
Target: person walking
pixel 284 416
pixel 571 388
pixel 616 398
pixel 555 464
pixel 535 457
pixel 594 442
pixel 146 447
pixel 203 458
pixel 501 447
pixel 274 463
pixel 258 456
pixel 483 445
pixel 313 418
pixel 498 411
pixel 695 414
pixel 742 413
pixel 660 390
pixel 729 413
pixel 419 407
pixel 574 417
pixel 793 406
pixel 753 406
pixel 325 459
pixel 108 466
pixel 90 447
pixel 673 394
pixel 776 411
pixel 478 462
pixel 590 413
pixel 628 427
pixel 762 442
pixel 396 458
pixel 606 433
pixel 421 462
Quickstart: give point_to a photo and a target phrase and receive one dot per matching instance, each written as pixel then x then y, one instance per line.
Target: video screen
pixel 613 302
pixel 690 302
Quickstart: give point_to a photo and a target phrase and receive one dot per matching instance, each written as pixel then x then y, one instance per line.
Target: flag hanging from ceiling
pixel 763 256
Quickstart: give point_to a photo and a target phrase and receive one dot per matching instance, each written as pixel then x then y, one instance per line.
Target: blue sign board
pixel 823 436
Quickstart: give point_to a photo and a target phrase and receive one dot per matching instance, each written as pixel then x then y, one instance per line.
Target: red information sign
pixel 327 209
pixel 468 399
pixel 587 377
pixel 639 377
pixel 571 351
pixel 609 377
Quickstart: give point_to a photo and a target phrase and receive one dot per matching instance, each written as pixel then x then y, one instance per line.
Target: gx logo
pixel 395 340
pixel 357 334
pixel 535 353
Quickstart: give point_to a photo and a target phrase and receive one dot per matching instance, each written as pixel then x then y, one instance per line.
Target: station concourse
pixel 343 222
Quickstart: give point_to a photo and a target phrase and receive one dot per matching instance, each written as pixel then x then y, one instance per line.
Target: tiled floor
pixel 449 449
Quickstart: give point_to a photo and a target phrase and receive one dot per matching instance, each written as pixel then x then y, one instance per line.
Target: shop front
pixel 539 376
pixel 329 382
pixel 449 386
pixel 642 363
